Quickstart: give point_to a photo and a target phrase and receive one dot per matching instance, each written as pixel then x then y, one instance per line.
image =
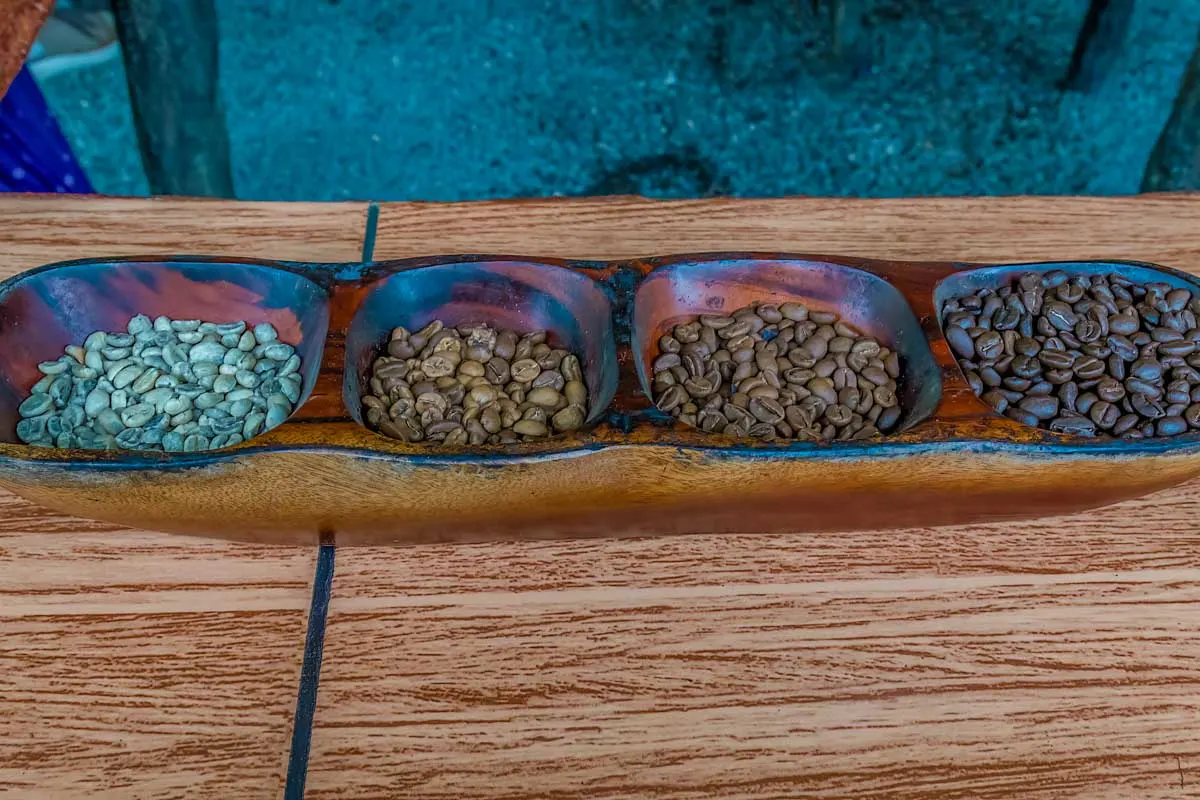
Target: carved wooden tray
pixel 629 472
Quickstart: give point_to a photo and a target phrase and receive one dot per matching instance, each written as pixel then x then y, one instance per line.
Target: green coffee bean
pixel 136 389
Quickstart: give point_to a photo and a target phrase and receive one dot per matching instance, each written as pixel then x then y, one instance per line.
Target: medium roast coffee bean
pixel 785 372
pixel 1122 356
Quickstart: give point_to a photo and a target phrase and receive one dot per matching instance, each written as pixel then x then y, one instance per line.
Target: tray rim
pixel 328 275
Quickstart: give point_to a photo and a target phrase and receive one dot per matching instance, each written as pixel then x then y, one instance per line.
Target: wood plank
pixel 144 665
pixel 1056 659
pixel 36 230
pixel 1174 163
pixel 1159 228
pixel 1049 660
pixel 140 664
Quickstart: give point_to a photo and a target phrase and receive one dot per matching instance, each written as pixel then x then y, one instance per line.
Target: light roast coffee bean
pixel 163 384
pixel 782 373
pixel 473 385
pixel 1094 355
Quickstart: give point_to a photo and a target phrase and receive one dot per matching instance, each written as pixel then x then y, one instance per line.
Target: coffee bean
pixel 1148 407
pixel 473 385
pixel 1146 369
pixel 1075 426
pixel 1043 408
pixel 779 372
pixel 666 361
pixel 1109 390
pixel 960 341
pixel 1123 353
pixel 1088 368
pixel 997 400
pixel 1022 416
pixel 1170 426
pixel 131 390
pixel 1104 414
pixel 1141 387
pixel 1056 359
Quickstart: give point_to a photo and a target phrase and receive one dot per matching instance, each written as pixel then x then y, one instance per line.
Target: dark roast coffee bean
pixel 1088 368
pixel 1181 347
pixel 990 377
pixel 1146 369
pixel 1164 334
pixel 1124 424
pixel 1104 414
pixel 1026 367
pixel 1042 408
pixel 960 341
pixel 1068 393
pixel 1170 426
pixel 975 382
pixel 1110 390
pixel 989 345
pixel 1146 407
pixel 1075 426
pixel 1056 359
pixel 1022 416
pixel 1123 324
pixel 1192 415
pixel 1085 402
pixel 1059 315
pixel 1026 346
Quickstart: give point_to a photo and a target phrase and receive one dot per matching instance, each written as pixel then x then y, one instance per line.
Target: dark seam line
pixel 310 672
pixel 368 248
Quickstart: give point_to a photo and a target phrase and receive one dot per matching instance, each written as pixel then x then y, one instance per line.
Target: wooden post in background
pixel 1175 163
pixel 1104 30
pixel 171 65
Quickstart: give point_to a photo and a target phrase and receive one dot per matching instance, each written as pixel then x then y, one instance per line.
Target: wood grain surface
pixel 142 665
pixel 1161 228
pixel 40 230
pixel 1055 659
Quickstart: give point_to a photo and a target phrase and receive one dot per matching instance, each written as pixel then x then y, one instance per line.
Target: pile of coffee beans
pixel 474 385
pixel 163 384
pixel 1085 355
pixel 777 372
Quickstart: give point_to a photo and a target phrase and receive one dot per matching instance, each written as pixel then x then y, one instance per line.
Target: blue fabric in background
pixel 34 154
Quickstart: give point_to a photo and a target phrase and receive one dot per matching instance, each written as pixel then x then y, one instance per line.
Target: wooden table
pixel 1048 660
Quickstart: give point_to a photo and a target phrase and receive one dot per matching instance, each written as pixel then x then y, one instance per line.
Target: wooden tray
pixel 323 472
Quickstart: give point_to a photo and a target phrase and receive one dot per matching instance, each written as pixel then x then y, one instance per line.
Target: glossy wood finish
pixel 683 288
pixel 43 311
pixel 953 461
pixel 571 307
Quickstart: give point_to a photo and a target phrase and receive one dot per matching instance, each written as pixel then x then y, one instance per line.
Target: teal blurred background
pixel 467 99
